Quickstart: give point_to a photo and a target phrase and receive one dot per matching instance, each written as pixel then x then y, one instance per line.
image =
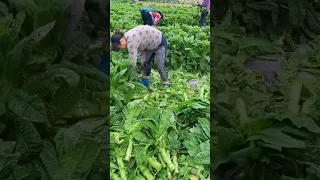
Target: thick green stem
pixel 129 149
pixel 166 159
pixel 155 164
pixel 146 172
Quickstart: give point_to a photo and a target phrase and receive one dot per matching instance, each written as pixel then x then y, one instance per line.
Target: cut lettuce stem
pixel 175 162
pixel 121 168
pixel 161 160
pixel 193 177
pixel 154 163
pixel 169 174
pixel 123 174
pixel 114 176
pixel 197 173
pixel 129 149
pixel 146 172
pixel 166 158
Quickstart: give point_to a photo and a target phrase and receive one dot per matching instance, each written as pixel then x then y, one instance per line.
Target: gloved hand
pixel 145 82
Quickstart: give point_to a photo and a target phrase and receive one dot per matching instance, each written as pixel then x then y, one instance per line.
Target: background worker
pixel 148 41
pixel 206 9
pixel 150 16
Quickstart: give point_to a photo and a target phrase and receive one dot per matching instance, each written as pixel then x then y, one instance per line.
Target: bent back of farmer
pixel 150 43
pixel 147 9
pixel 150 16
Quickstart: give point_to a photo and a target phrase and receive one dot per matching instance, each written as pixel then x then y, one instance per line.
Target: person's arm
pixel 133 53
pixel 156 19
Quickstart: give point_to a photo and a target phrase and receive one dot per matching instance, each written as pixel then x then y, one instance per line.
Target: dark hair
pixel 115 39
pixel 162 16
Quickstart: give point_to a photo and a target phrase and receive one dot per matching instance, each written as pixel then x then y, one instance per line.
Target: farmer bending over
pixel 150 16
pixel 148 41
pixel 205 4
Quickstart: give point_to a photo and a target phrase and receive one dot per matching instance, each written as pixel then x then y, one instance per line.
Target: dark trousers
pixel 203 18
pixel 105 64
pixel 163 43
pixel 147 19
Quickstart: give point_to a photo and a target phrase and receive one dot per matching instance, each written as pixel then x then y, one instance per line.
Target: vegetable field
pixel 190 45
pixel 164 134
pixel 265 90
pixel 53 109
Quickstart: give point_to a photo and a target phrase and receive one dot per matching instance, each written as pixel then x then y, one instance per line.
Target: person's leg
pixel 146 67
pixel 203 18
pixel 161 55
pixel 105 64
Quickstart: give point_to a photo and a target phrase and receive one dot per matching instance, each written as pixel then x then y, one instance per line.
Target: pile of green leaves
pixel 161 135
pixel 189 46
pixel 259 132
pixel 53 113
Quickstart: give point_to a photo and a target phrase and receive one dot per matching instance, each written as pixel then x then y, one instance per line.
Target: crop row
pixel 124 15
pixel 189 47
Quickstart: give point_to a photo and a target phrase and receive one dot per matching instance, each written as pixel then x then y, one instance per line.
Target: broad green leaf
pixel 202 157
pixel 29 108
pixel 294 97
pixel 77 162
pixel 76 46
pixel 297 12
pixel 6 21
pixel 28 140
pixel 67 96
pixel 226 20
pixel 304 121
pixel 38 166
pixel 192 145
pixel 75 134
pixel 3 9
pixel 241 111
pixel 102 160
pixel 263 5
pixel 173 140
pixel 276 139
pixel 9 166
pixel 59 140
pixel 16 25
pixel 6 149
pixel 165 121
pixel 49 158
pixel 21 173
pixel 23 48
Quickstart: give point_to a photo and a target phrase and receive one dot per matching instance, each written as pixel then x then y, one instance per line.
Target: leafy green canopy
pixel 189 46
pixel 265 131
pixel 165 134
pixel 52 110
pixel 160 135
pixel 124 15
